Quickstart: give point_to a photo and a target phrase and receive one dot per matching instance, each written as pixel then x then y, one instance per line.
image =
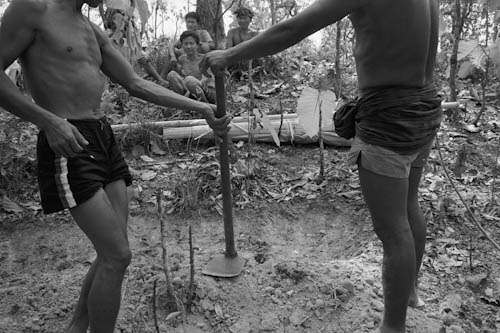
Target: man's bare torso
pixel 396 42
pixel 239 36
pixel 62 64
pixel 190 67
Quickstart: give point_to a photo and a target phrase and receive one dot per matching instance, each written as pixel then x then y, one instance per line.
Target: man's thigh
pixel 386 198
pixel 103 226
pixel 385 162
pixel 117 195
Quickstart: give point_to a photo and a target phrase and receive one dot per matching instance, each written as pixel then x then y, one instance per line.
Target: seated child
pixel 192 24
pixel 192 82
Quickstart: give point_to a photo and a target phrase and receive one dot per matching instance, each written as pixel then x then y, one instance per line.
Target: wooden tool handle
pixel 225 176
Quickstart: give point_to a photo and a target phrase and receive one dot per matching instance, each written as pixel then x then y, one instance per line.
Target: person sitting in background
pixel 239 35
pixel 155 63
pixel 192 24
pixel 192 82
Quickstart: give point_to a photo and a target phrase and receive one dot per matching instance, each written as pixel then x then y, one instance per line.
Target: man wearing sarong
pixel 397 118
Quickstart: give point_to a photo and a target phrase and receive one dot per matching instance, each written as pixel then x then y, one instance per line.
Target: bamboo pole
pixel 200 122
pixel 190 122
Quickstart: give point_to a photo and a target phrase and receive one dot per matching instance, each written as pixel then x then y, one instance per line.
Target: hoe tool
pixel 228 264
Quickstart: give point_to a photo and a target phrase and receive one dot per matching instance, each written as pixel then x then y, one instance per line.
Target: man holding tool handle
pixel 394 121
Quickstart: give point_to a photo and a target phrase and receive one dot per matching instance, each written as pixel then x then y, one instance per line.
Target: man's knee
pixel 175 81
pixel 204 48
pixel 118 259
pixel 192 83
pixel 173 76
pixel 398 234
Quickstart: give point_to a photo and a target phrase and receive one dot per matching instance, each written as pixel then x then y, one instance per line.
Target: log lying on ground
pixel 197 129
pixel 291 130
pixel 191 122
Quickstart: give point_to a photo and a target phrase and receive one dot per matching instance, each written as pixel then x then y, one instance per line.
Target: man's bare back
pixel 395 42
pixel 395 39
pixel 62 62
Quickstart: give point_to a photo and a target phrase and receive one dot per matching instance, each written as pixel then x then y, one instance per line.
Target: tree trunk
pixel 338 74
pixel 210 12
pixel 485 80
pixel 460 13
pixel 273 11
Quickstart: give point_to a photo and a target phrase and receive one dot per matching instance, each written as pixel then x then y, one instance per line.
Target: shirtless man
pixel 80 168
pixel 398 115
pixel 241 33
pixel 193 24
pixel 193 82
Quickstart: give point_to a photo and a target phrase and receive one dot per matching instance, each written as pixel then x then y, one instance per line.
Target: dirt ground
pixel 312 263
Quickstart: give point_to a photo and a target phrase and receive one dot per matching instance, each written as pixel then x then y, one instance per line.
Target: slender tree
pixel 210 12
pixel 460 12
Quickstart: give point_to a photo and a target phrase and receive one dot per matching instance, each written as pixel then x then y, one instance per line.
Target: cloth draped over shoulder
pixel 402 119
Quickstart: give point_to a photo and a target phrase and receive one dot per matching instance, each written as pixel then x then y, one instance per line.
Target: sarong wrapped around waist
pixel 398 118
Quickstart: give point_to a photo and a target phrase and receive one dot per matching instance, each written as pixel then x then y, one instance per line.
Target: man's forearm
pixel 154 93
pixel 151 71
pixel 275 39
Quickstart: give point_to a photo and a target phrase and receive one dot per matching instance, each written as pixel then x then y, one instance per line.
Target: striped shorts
pixel 69 182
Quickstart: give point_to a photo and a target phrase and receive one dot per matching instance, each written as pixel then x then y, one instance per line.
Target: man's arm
pixel 116 67
pixel 17 32
pixel 148 67
pixel 206 40
pixel 229 39
pixel 286 33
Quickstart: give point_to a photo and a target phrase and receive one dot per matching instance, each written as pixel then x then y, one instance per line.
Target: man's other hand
pixel 216 60
pixel 220 126
pixel 64 138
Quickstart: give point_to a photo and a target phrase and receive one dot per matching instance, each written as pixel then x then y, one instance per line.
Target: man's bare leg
pixel 418 226
pixel 114 196
pixel 80 321
pixel 195 88
pixel 387 202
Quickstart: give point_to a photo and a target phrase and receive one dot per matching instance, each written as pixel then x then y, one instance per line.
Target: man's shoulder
pixel 25 14
pixel 30 6
pixel 204 35
pixel 232 32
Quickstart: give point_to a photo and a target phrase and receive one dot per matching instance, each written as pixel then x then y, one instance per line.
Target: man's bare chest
pixel 68 39
pixel 191 68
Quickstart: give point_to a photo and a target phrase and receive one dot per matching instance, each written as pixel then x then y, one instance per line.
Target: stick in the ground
pixel 473 217
pixel 190 291
pixel 494 174
pixel 173 302
pixel 155 315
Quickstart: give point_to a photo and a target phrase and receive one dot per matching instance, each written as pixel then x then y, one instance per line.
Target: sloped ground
pixel 312 263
